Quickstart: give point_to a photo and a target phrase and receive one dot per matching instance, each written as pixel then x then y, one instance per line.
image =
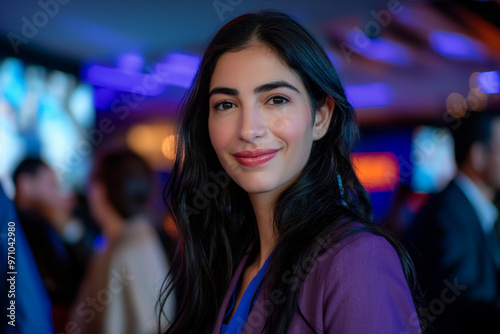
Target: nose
pixel 252 124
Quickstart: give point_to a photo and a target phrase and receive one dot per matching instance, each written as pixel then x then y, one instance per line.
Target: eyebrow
pixel 273 85
pixel 258 90
pixel 223 90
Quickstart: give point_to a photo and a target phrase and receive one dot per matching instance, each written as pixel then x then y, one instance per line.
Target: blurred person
pixel 454 234
pixel 121 288
pixel 275 228
pixel 53 233
pixel 24 298
pixel 405 204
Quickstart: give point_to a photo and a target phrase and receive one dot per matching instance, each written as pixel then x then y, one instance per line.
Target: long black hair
pixel 214 216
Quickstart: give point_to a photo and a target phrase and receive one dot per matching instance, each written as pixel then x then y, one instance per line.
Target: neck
pixel 484 188
pixel 112 225
pixel 263 206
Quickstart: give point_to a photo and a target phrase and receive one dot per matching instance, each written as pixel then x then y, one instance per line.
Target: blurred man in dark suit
pixel 26 302
pixel 54 235
pixel 458 250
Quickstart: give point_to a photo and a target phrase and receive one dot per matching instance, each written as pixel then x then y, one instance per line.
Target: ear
pixel 478 156
pixel 322 118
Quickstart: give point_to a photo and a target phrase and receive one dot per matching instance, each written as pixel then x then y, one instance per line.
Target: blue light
pixel 118 79
pixel 384 50
pixel 81 107
pixel 334 59
pixel 457 46
pixel 131 62
pixel 12 82
pixel 103 97
pixel 178 69
pixel 99 244
pixel 370 95
pixel 489 82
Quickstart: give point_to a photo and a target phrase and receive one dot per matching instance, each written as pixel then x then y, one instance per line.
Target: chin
pixel 256 186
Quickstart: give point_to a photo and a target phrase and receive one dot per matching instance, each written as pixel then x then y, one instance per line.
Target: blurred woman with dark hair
pixel 275 227
pixel 120 291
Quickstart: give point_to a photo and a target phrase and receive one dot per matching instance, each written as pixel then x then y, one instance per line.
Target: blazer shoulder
pixel 362 286
pixel 365 275
pixel 360 251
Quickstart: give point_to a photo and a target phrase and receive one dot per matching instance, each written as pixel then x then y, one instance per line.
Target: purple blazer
pixel 356 286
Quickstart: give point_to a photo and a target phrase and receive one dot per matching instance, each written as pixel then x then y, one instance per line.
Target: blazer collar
pixel 230 290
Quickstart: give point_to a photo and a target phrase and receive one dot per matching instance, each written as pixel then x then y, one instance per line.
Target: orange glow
pixel 155 142
pixel 170 228
pixel 377 171
pixel 168 147
pixel 456 105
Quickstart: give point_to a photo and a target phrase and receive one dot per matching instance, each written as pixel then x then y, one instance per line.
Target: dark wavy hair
pixel 128 180
pixel 214 215
pixel 475 126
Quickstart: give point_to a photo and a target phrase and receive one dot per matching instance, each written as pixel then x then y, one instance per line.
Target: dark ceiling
pixel 71 33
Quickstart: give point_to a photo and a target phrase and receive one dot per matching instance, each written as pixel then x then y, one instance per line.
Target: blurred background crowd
pixel 88 110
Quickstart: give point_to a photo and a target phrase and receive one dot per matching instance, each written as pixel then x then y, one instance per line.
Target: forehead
pixel 252 66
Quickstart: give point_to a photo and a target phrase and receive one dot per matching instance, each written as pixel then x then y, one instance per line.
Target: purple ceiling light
pixel 370 95
pixel 120 80
pixel 457 46
pixel 381 49
pixel 489 82
pixel 178 69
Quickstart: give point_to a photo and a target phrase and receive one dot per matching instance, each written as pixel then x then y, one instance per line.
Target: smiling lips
pixel 255 158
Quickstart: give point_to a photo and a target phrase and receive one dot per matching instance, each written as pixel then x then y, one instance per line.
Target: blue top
pixel 240 316
pixel 32 304
pixel 356 286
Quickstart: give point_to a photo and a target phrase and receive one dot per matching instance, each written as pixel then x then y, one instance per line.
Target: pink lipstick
pixel 255 158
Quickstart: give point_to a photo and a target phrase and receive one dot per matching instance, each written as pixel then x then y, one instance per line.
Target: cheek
pixel 295 130
pixel 220 134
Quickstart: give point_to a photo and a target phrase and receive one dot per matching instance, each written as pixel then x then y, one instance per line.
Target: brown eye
pixel 224 105
pixel 278 100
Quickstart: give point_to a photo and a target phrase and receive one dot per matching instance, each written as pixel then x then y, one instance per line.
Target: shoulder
pixel 447 200
pixel 361 246
pixel 349 266
pixel 361 256
pixel 362 287
pixel 140 249
pixel 446 214
pixel 138 234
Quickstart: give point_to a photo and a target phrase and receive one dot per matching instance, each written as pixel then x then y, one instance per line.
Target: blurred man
pixel 459 252
pixel 24 300
pixel 45 214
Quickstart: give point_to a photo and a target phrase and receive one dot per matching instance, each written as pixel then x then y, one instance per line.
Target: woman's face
pixel 260 120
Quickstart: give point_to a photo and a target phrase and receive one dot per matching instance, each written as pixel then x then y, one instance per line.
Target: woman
pixel 120 289
pixel 275 227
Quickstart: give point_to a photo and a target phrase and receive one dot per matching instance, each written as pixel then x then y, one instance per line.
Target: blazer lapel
pixel 487 243
pixel 229 292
